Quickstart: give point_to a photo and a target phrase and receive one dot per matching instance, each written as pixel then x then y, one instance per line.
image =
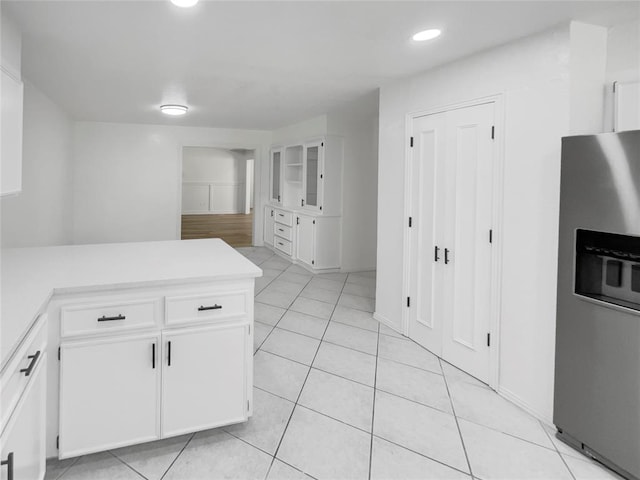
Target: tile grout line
pixel 373 408
pixel 76 460
pixel 453 409
pixel 178 456
pixel 558 451
pixel 284 432
pixel 423 455
pixel 126 464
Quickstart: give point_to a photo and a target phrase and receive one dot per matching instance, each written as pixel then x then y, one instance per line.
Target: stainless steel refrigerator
pixel 597 373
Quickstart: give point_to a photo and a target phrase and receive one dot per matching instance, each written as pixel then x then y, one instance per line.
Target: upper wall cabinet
pixel 309 175
pixel 11 104
pixel 275 179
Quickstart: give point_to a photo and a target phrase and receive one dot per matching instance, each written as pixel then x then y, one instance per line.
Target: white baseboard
pixel 515 399
pixel 384 320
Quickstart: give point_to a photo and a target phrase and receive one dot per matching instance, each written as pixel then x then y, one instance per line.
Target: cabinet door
pixel 268 225
pixel 305 239
pixel 312 175
pixel 23 440
pixel 11 106
pixel 205 375
pixel 109 394
pixel 276 175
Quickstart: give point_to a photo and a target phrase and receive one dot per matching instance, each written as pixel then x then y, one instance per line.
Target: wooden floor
pixel 235 229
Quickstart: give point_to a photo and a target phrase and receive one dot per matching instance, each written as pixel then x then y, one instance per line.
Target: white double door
pixel 451 197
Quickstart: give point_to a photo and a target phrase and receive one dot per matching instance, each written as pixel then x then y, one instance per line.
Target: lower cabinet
pixel 305 245
pixel 189 370
pixel 269 213
pixel 204 375
pixel 109 394
pixel 312 240
pixel 23 440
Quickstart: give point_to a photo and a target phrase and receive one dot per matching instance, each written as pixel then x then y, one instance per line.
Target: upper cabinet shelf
pixel 313 180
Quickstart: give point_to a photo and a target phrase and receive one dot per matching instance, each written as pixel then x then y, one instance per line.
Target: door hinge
pixel 321 176
pixel 313 262
pixel 58 353
pixel 410 222
pixel 248 408
pixel 58 442
pixel 614 86
pixel 408 301
pixel 491 236
pixel 488 339
pixel 411 142
pixel 493 132
pixel 322 144
pixel 314 222
pixel 321 207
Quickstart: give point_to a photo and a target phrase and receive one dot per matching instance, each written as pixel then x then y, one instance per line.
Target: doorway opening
pixel 218 194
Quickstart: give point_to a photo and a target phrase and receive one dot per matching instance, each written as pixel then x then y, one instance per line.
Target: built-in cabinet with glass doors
pixel 303 217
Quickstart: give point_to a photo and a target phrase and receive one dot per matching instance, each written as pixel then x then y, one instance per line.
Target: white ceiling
pixel 260 64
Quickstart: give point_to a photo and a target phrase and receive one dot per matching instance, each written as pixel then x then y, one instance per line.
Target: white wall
pixel 127 177
pixel 357 123
pixel 10 45
pixel 213 180
pixel 623 62
pixel 42 213
pixel 532 75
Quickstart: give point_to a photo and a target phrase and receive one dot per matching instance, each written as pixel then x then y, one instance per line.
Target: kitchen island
pixel 142 340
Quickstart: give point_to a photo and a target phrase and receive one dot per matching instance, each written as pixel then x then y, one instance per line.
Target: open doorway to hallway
pixel 218 194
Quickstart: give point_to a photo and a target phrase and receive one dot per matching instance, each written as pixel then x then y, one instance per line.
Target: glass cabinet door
pixel 275 175
pixel 312 175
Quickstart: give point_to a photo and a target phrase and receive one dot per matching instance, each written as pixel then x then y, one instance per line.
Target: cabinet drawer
pixel 19 371
pixel 208 306
pixel 283 245
pixel 283 217
pixel 283 231
pixel 108 317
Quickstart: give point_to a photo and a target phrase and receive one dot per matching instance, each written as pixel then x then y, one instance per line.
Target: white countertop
pixel 30 276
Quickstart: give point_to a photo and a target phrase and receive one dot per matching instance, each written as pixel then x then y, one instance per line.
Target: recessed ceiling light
pixel 173 109
pixel 184 3
pixel 426 35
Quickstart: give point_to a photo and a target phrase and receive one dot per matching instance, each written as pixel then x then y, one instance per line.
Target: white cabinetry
pixel 153 363
pixel 11 106
pixel 275 175
pixel 204 376
pixel 269 213
pixel 311 194
pixel 23 408
pixel 108 394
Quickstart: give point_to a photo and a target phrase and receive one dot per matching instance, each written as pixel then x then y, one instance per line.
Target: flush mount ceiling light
pixel 426 35
pixel 174 110
pixel 184 3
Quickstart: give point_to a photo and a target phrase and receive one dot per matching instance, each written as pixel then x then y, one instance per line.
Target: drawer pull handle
pixel 110 319
pixel 9 463
pixel 34 360
pixel 153 355
pixel 280 230
pixel 168 354
pixel 281 244
pixel 446 256
pixel 202 308
pixel 281 215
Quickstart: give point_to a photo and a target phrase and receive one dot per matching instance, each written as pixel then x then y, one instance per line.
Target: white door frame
pixel 257 185
pixel 497 215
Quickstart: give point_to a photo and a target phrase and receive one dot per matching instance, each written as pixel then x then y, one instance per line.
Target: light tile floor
pixel 339 396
